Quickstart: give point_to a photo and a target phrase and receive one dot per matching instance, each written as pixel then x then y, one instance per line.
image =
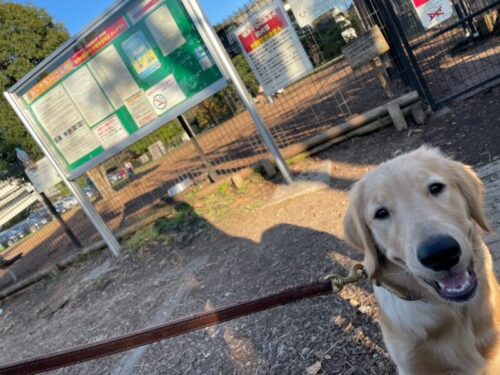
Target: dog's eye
pixel 382 214
pixel 436 188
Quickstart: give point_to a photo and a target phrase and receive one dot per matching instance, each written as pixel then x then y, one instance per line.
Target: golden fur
pixel 429 335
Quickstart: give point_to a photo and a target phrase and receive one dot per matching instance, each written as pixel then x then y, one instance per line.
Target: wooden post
pixel 397 116
pixel 381 79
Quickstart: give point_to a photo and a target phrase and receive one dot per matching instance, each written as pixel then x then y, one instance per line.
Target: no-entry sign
pixel 432 12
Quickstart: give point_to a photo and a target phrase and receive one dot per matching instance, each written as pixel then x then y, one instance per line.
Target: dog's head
pixel 420 211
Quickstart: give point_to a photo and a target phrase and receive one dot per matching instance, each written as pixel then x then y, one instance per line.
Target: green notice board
pixel 143 65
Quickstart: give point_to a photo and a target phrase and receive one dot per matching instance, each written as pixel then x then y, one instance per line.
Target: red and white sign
pixel 433 12
pixel 142 9
pixel 272 48
pixel 100 41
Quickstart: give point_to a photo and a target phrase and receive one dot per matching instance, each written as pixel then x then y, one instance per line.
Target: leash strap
pixel 178 327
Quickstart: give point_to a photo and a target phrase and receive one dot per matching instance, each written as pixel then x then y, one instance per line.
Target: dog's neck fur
pixel 430 319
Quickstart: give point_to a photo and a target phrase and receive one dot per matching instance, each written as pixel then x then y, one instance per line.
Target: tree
pixel 27 36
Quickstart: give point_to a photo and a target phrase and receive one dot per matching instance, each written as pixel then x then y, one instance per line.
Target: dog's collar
pixel 393 288
pixel 398 291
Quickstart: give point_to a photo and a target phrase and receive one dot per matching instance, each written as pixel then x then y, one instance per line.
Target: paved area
pixel 490 174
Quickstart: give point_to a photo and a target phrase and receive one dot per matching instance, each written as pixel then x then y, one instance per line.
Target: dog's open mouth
pixel 458 286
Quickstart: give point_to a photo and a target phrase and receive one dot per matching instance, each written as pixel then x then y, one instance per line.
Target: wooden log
pixel 347 126
pixel 365 129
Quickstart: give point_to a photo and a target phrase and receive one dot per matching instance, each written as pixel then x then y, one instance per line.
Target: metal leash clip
pixel 356 273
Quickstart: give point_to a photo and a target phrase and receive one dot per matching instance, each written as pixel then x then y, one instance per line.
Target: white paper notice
pixel 204 58
pixel 165 30
pixel 140 108
pixel 113 76
pixel 87 95
pixel 165 95
pixel 64 124
pixel 110 132
pixel 43 175
pixel 273 49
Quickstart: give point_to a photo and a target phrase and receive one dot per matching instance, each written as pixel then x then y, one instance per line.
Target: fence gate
pixel 453 58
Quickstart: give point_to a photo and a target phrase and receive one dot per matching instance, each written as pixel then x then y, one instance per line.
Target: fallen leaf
pixel 314 369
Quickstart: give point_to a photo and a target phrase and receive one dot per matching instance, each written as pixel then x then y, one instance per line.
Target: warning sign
pixel 433 12
pixel 165 95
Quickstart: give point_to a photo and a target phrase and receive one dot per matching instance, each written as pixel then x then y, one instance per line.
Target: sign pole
pixel 189 131
pixel 227 66
pixel 88 209
pixel 48 204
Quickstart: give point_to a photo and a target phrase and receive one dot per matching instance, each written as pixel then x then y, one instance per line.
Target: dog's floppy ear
pixel 357 233
pixel 472 190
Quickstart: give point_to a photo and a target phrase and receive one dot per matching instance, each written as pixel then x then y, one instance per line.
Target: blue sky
pixel 75 14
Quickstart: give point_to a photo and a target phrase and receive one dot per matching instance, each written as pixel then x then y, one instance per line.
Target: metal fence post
pixel 217 49
pixel 416 73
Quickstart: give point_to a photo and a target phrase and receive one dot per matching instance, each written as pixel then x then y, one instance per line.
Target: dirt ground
pixel 233 246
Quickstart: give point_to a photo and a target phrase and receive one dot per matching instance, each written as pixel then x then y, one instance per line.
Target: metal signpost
pixel 140 65
pixel 224 61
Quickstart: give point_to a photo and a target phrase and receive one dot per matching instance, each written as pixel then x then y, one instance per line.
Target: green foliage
pixel 64 190
pixel 212 112
pixel 246 74
pixel 324 41
pixel 181 221
pixel 221 107
pixel 170 134
pixel 142 237
pixel 55 276
pixel 181 218
pixel 27 36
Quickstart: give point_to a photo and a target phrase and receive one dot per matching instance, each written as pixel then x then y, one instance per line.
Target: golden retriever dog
pixel 419 220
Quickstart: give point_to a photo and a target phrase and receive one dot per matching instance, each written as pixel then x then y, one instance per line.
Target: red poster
pixel 99 42
pixel 141 9
pixel 48 82
pixel 419 3
pixel 262 30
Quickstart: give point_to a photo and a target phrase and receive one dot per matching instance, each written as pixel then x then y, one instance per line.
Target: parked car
pixel 15 234
pixel 37 219
pixel 69 202
pixel 60 207
pixel 90 192
pixel 114 174
pixel 4 239
pixel 41 215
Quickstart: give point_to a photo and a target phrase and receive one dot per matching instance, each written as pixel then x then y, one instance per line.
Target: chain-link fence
pixel 458 55
pixel 217 137
pixel 221 138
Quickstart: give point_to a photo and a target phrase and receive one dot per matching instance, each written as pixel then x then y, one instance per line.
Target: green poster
pixel 144 65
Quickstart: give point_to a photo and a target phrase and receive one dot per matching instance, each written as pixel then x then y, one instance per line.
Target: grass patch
pixel 181 218
pixel 55 276
pixel 142 237
pixel 177 226
pixel 297 159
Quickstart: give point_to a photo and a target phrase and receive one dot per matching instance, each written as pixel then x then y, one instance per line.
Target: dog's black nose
pixel 439 253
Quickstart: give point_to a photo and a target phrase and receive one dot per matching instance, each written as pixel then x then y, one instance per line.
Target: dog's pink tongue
pixel 454 281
